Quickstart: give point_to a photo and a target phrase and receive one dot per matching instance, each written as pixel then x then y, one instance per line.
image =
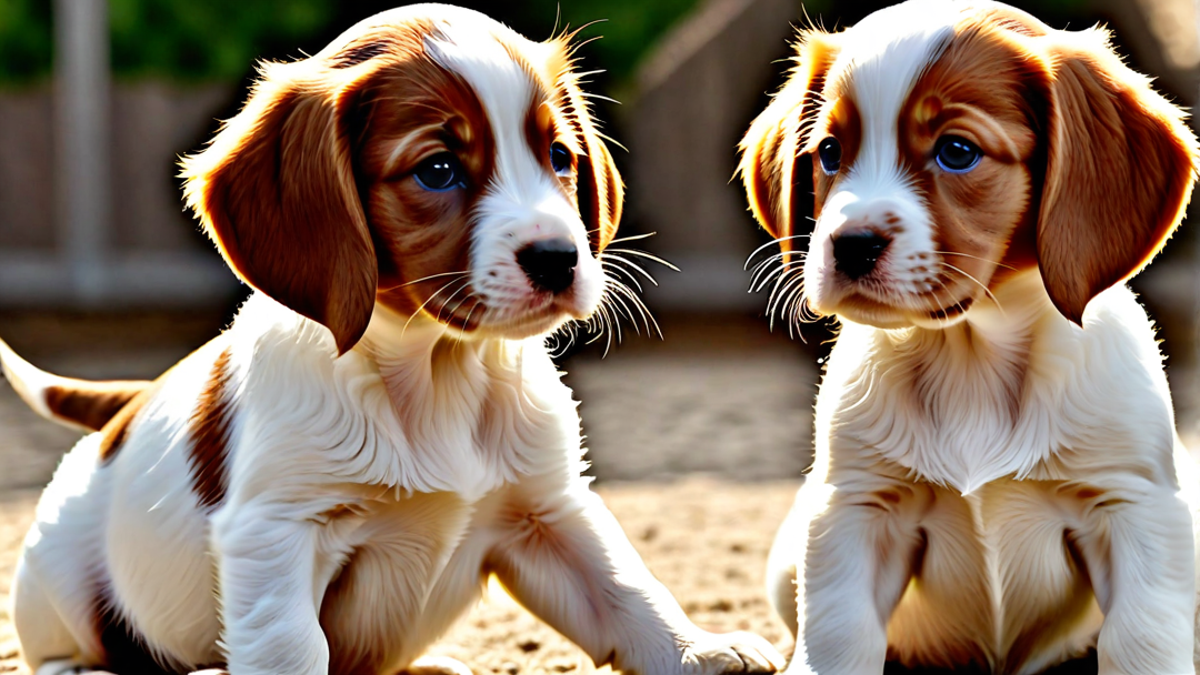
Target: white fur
pixel 916 450
pixel 369 495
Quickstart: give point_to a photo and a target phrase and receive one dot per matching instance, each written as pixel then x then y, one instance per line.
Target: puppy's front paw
pixel 740 652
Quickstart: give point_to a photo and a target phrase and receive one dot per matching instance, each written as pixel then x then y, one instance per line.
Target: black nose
pixel 549 264
pixel 855 254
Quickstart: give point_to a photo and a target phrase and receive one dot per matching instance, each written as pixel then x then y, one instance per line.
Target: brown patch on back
pixel 91 404
pixel 210 428
pixel 116 430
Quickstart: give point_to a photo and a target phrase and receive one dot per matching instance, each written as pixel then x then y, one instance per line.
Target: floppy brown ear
pixel 775 169
pixel 599 191
pixel 600 194
pixel 1119 171
pixel 276 192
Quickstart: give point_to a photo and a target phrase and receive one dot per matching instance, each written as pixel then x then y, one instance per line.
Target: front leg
pixel 1137 544
pixel 855 553
pixel 270 586
pixel 563 556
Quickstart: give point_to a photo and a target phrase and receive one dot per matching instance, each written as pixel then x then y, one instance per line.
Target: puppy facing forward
pixel 326 486
pixel 997 484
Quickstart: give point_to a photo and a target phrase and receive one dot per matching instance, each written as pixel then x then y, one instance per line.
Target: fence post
pixel 82 139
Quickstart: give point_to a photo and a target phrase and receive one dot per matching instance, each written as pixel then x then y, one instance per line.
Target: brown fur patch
pixel 116 430
pixel 124 648
pixel 976 90
pixel 599 193
pixel 422 237
pixel 210 428
pixel 91 404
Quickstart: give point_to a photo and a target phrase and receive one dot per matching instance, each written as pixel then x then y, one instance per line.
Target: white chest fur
pixel 409 409
pixel 1017 392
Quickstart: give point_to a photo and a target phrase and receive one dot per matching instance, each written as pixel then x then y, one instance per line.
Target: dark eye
pixel 560 158
pixel 957 155
pixel 440 173
pixel 830 152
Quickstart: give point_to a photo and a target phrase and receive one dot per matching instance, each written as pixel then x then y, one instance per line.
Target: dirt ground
pixel 696 442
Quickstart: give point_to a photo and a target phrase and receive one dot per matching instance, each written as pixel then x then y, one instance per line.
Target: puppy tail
pixel 79 404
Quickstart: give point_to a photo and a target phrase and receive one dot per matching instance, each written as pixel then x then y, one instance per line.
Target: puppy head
pixel 953 143
pixel 429 159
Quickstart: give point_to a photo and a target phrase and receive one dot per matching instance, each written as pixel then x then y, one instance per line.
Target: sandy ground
pixel 697 444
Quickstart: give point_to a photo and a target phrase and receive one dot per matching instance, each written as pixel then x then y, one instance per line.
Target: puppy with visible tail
pixel 85 405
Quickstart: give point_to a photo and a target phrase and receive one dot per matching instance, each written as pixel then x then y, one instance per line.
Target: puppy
pixel 326 486
pixel 997 482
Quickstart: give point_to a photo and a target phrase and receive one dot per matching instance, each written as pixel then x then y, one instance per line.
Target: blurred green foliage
pixel 198 40
pixel 205 39
pixel 26 40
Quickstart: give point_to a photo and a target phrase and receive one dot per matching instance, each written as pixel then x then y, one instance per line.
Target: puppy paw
pixel 740 652
pixel 436 665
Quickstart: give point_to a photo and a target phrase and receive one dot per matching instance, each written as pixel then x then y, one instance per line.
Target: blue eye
pixel 957 155
pixel 830 154
pixel 560 158
pixel 440 173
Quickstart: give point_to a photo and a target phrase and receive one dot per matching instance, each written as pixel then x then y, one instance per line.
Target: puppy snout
pixel 856 253
pixel 549 264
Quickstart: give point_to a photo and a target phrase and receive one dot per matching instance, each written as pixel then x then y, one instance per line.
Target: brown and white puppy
pixel 997 481
pixel 326 486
